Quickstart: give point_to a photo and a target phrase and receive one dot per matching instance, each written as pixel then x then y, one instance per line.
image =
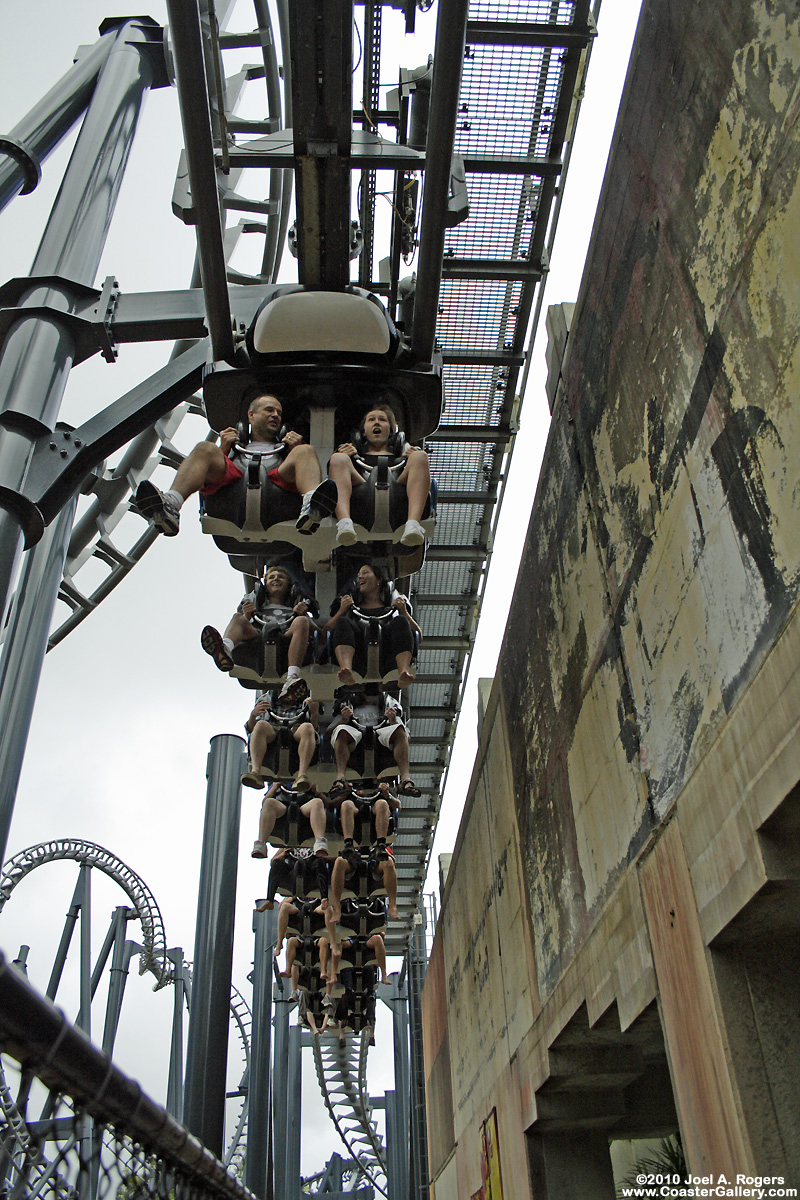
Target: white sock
pixel 228 644
pixel 175 498
pixel 292 672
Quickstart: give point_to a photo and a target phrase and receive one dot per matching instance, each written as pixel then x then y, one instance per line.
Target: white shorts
pixel 384 734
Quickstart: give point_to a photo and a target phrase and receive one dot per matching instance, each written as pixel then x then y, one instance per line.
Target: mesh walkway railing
pixel 98 1134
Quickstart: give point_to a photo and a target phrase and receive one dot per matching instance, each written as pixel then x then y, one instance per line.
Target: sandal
pixel 409 788
pixel 339 787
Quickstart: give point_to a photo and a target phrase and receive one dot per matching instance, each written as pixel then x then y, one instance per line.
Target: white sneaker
pixel 259 850
pixel 413 534
pixel 345 532
pixel 321 847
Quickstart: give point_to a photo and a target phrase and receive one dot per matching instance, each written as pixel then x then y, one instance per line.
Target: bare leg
pixel 375 944
pixel 381 811
pixel 417 477
pixel 301 467
pixel 348 818
pixel 306 741
pixel 261 737
pixel 271 809
pixel 344 656
pixel 337 886
pixel 240 630
pixel 389 873
pixel 315 811
pixel 346 477
pixel 286 910
pixel 404 676
pixel 342 748
pixel 297 633
pixel 203 465
pixel 399 744
pixel 291 954
pixel 324 955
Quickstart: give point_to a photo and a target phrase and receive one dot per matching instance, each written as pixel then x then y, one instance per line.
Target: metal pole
pixel 23 653
pixel 190 78
pixel 280 1086
pixel 402 1148
pixel 417 962
pixel 119 974
pixel 292 1099
pixel 451 36
pixel 84 1019
pixel 38 352
pixel 265 926
pixel 207 1049
pixel 174 1103
pixel 40 131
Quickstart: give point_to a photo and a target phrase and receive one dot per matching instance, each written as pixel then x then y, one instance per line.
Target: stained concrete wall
pixel 628 858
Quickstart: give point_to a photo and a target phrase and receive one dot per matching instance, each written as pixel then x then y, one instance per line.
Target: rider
pixel 355 711
pixel 375 597
pixel 377 428
pixel 210 467
pixel 270 603
pixel 263 726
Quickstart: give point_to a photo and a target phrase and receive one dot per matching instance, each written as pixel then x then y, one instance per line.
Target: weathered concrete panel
pixel 708 1105
pixel 648 690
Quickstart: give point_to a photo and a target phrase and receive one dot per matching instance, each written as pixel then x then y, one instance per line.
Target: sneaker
pixel 321 503
pixel 253 779
pixel 321 847
pixel 294 691
pixel 413 534
pixel 346 532
pixel 328 1001
pixel 211 641
pixel 157 508
pixel 259 850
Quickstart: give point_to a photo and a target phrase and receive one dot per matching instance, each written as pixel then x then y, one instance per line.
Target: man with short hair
pixel 270 604
pixel 211 466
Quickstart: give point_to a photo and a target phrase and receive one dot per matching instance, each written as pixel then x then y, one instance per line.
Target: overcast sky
pixel 129 702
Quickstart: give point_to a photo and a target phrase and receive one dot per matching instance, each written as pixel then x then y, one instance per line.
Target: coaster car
pixel 332 349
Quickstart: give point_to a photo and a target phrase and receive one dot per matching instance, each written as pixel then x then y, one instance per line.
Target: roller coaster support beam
pixel 265 927
pixel 398 1185
pixel 207 1048
pixel 38 353
pixel 190 77
pixel 40 131
pixel 451 32
pixel 321 49
pixel 175 1077
pixel 23 653
pixel 282 1007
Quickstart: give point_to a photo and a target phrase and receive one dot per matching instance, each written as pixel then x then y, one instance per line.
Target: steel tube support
pixel 293 1098
pixel 38 352
pixel 190 77
pixel 280 1077
pixel 265 927
pixel 40 131
pixel 175 1077
pixel 23 654
pixel 207 1049
pixel 451 32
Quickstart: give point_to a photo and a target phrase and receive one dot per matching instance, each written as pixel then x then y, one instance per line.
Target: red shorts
pixel 280 482
pixel 232 473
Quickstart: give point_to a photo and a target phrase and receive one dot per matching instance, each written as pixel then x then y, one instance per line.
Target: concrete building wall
pixel 619 930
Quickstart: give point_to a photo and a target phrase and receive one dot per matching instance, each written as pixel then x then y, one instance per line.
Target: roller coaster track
pixel 342 1075
pixel 153 957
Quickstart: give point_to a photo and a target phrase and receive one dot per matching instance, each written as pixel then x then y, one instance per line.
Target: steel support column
pixel 292 1099
pixel 23 653
pixel 40 130
pixel 451 31
pixel 207 1049
pixel 174 1105
pixel 39 351
pixel 280 1084
pixel 265 927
